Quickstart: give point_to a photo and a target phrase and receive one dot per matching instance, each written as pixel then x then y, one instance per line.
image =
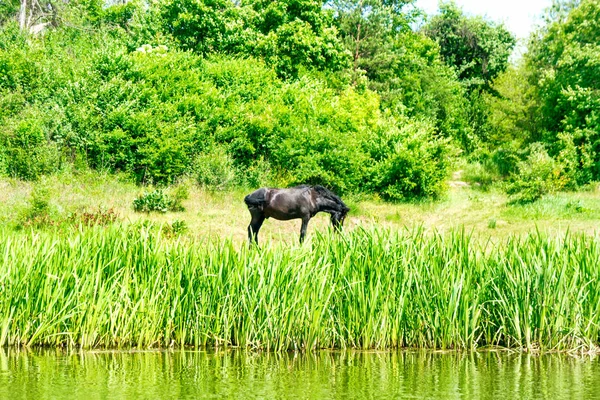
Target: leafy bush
pixel 3 161
pixel 174 229
pixel 27 152
pixel 215 169
pixel 536 176
pixel 160 113
pixel 414 163
pixel 160 201
pixel 257 174
pixel 38 212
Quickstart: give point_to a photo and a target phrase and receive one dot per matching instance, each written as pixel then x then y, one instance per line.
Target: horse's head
pixel 338 217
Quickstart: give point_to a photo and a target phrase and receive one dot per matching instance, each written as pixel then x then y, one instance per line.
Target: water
pixel 324 375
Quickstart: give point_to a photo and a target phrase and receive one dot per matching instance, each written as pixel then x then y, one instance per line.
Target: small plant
pixel 576 206
pixel 492 223
pixel 99 217
pixel 37 213
pixel 176 228
pixel 160 201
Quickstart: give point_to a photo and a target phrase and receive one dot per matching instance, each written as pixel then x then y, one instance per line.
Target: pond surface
pixel 324 375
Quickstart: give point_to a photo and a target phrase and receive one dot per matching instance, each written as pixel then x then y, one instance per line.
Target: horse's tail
pixel 256 199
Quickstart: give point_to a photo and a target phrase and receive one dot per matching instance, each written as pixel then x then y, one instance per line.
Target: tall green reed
pixel 128 286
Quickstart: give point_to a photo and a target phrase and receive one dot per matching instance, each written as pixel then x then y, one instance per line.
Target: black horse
pixel 297 202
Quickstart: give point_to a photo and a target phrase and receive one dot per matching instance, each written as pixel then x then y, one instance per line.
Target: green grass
pixel 128 285
pixel 78 267
pixel 222 214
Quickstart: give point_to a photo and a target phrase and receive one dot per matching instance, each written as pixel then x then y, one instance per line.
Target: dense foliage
pixel 565 66
pixel 541 133
pixel 247 93
pixel 348 94
pixel 478 49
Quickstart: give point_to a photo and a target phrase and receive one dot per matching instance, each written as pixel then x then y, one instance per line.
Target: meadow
pixel 223 214
pixel 428 275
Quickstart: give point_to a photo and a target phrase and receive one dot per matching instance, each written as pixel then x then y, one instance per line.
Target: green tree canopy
pixel 477 48
pixel 288 35
pixel 404 67
pixel 565 65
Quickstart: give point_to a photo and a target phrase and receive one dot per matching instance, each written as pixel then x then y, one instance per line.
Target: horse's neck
pixel 327 205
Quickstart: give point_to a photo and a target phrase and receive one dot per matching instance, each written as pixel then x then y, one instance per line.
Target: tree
pixel 289 35
pixel 477 48
pixel 35 16
pixel 295 34
pixel 8 10
pixel 198 25
pixel 513 112
pixel 404 67
pixel 369 29
pixel 564 60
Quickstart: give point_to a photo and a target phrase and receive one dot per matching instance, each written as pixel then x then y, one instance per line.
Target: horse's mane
pixel 329 194
pixel 323 191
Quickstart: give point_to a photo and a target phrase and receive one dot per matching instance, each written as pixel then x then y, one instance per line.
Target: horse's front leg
pixel 303 228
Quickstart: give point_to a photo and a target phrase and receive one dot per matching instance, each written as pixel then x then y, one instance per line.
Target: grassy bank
pixel 127 285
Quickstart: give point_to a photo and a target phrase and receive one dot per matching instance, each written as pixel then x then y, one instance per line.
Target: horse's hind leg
pixel 257 220
pixel 303 228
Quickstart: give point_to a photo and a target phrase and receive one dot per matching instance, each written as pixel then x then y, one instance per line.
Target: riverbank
pixel 134 285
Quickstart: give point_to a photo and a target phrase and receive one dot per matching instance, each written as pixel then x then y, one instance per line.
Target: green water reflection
pixel 324 375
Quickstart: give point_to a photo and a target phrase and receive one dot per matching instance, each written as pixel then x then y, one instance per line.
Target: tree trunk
pixel 357 48
pixel 22 14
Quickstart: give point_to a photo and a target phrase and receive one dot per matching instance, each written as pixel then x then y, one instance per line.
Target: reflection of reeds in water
pixel 319 375
pixel 371 289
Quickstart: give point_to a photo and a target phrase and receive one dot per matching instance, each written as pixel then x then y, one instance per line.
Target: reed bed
pixel 128 286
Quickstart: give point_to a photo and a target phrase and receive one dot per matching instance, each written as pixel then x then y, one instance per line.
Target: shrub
pixel 27 153
pixel 578 157
pixel 174 229
pixel 505 160
pixel 214 169
pixel 158 200
pixel 101 217
pixel 414 163
pixel 257 174
pixel 38 212
pixel 536 176
pixel 161 114
pixel 3 161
